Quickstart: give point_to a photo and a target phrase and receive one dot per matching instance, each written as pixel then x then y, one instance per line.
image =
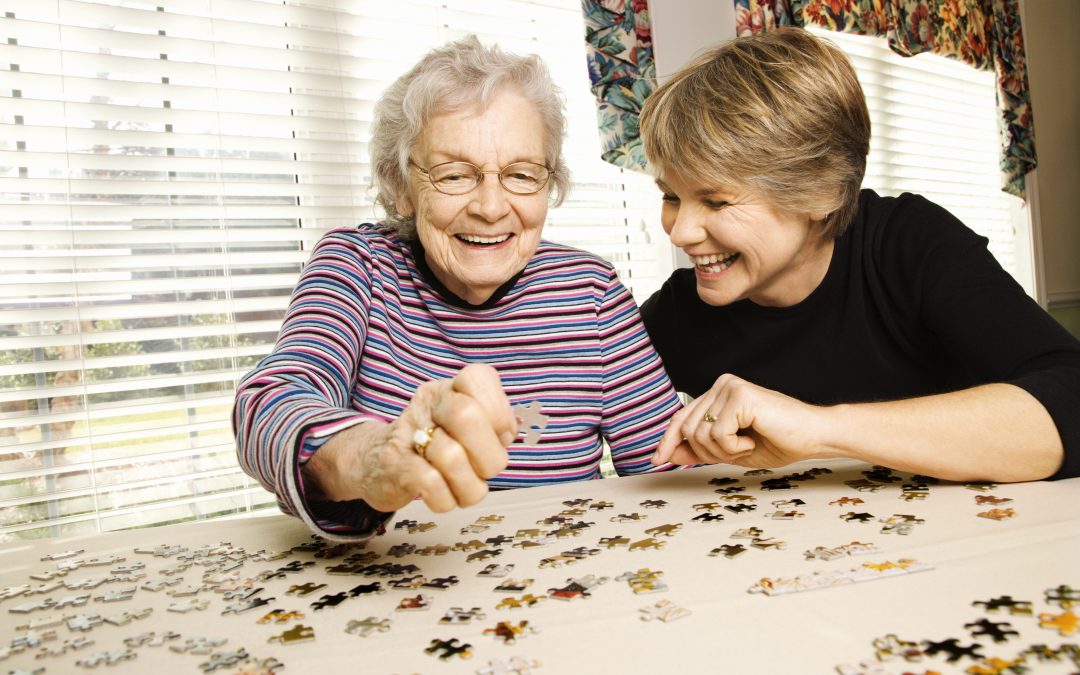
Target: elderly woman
pixel 449 349
pixel 819 320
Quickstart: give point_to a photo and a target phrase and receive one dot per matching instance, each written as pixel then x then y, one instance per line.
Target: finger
pixel 452 462
pixel 432 489
pixel 684 454
pixel 463 419
pixel 482 383
pixel 671 439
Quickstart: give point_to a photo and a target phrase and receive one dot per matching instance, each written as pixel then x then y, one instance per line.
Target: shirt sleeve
pixel 638 397
pixel 298 396
pixel 985 321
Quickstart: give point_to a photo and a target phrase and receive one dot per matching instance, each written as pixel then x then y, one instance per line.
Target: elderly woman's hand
pixel 465 425
pixel 738 422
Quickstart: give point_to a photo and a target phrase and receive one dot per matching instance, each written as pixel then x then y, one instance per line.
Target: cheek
pixel 667 216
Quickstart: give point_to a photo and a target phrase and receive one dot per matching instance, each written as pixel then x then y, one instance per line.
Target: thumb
pixel 671 439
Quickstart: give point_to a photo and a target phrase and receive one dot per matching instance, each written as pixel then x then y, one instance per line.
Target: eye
pixel 714 204
pixel 669 198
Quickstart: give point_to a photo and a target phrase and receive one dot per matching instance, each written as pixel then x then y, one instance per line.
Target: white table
pixel 729 629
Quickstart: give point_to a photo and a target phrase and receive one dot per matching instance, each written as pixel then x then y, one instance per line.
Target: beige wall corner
pixel 1053 59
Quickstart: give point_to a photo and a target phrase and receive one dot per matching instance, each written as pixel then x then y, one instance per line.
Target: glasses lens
pixel 454 178
pixel 524 178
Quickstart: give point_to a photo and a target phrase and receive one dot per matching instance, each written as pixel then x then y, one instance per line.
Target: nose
pixel 683 228
pixel 489 200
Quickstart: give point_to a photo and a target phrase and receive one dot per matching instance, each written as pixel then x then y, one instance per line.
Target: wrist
pixel 831 439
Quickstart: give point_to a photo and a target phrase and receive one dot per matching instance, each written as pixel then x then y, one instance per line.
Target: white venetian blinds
pixel 164 168
pixel 935 134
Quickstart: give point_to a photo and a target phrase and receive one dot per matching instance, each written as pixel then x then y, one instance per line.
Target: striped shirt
pixel 368 323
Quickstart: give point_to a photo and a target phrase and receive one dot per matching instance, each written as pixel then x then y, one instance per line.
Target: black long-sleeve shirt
pixel 913 304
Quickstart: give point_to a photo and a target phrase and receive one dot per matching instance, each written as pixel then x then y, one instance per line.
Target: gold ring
pixel 420 440
pixel 709 417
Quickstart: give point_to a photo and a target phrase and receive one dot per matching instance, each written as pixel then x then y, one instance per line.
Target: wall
pixel 1053 57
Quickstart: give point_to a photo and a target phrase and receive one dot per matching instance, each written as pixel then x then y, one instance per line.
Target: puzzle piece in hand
pixel 508 632
pixel 364 627
pixel 533 421
pixel 446 649
pixel 665 611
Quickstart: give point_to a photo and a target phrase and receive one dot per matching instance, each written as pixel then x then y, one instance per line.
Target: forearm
pixel 995 432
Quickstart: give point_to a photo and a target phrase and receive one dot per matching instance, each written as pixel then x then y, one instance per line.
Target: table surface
pixel 729 629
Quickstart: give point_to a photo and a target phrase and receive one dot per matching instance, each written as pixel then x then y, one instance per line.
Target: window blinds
pixel 165 168
pixel 935 134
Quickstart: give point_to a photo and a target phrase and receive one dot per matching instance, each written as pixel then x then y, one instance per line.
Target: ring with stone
pixel 709 417
pixel 420 440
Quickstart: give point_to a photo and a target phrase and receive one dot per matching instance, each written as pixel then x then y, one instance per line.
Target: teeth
pixel 703 260
pixel 476 239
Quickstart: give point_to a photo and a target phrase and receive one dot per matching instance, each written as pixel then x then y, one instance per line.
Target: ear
pixel 818 216
pixel 403 203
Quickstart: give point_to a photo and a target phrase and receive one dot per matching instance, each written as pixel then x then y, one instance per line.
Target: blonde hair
pixel 459 75
pixel 780 113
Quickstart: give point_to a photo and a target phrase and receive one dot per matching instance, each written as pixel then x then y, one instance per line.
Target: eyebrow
pixel 700 194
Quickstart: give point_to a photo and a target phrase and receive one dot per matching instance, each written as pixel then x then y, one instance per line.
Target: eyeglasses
pixel 457 178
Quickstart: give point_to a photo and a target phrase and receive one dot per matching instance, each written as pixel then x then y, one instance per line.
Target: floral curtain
pixel 618 45
pixel 983 33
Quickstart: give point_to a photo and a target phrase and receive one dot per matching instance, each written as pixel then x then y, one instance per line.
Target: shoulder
pixel 366 236
pixel 559 261
pixel 911 221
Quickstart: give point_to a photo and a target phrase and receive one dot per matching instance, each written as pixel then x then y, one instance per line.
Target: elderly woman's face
pixel 741 246
pixel 476 241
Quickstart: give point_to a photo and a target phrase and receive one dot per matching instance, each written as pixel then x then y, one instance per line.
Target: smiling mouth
pixel 476 240
pixel 714 263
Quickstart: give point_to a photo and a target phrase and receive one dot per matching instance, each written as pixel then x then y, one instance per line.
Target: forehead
pixel 509 128
pixel 691 185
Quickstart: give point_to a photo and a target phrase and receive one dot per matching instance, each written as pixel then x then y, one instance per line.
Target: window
pixel 165 169
pixel 935 134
